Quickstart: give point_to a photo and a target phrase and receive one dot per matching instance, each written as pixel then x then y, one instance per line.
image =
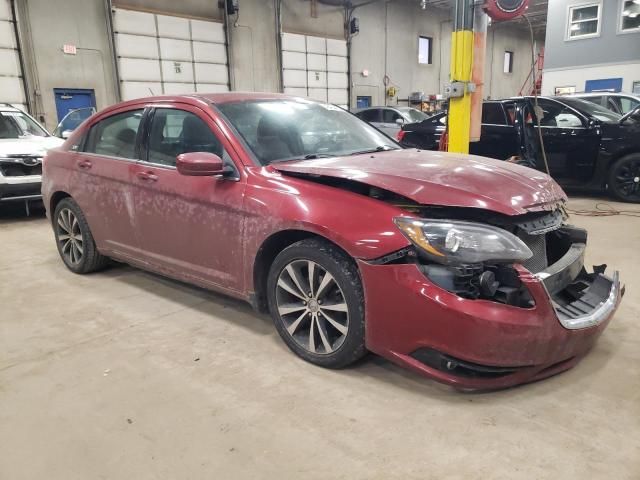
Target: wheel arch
pixel 267 253
pixel 56 198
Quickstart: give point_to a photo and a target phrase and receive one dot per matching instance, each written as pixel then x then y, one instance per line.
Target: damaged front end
pixel 554 256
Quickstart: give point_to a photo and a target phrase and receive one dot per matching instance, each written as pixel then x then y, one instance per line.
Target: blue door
pixel 68 99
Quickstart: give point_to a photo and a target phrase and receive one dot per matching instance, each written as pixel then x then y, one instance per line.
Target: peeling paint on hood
pixel 445 179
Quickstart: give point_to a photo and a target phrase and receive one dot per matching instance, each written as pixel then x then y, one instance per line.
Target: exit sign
pixel 69 49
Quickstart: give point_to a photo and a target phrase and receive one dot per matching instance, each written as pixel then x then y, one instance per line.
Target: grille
pixel 538 245
pixel 21 165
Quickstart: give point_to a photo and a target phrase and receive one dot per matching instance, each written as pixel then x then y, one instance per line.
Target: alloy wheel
pixel 627 178
pixel 69 236
pixel 312 307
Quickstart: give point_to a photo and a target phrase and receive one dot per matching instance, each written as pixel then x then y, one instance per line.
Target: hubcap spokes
pixel 69 236
pixel 312 307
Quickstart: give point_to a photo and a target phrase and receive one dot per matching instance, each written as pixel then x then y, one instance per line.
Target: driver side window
pixel 174 132
pixel 557 115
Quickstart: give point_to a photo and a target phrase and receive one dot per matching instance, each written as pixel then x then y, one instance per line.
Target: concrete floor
pixel 125 375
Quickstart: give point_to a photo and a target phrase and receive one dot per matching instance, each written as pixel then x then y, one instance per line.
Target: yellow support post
pixel 461 68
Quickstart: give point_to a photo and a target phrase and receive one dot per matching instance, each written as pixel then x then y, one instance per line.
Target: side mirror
pixel 66 134
pixel 199 164
pixel 400 121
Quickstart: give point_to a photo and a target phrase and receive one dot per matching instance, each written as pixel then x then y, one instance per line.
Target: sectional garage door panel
pixel 173 27
pixel 168 54
pixel 137 46
pixel 210 88
pixel 137 23
pixel 11 85
pixel 210 32
pixel 315 67
pixel 209 52
pixel 139 69
pixel 178 88
pixel 131 90
pixel 172 49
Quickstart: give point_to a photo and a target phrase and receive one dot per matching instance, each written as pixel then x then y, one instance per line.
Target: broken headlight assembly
pixel 454 243
pixel 470 259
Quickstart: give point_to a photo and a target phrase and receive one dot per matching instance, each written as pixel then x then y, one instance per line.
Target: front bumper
pixel 27 187
pixel 482 344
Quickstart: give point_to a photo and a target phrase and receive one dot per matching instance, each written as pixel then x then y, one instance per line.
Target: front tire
pixel 624 178
pixel 74 240
pixel 317 303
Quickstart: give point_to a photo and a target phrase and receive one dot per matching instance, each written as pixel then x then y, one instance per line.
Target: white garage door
pixel 11 86
pixel 165 54
pixel 315 67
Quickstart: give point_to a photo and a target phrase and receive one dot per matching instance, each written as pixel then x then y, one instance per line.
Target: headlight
pixel 453 242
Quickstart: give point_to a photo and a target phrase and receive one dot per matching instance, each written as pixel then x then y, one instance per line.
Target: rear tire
pixel 624 178
pixel 317 303
pixel 74 240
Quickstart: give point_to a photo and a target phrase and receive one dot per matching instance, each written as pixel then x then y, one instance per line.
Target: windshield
pixel 278 130
pixel 414 115
pixel 601 113
pixel 15 124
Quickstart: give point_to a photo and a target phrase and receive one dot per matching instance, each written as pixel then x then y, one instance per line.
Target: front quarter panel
pixel 360 225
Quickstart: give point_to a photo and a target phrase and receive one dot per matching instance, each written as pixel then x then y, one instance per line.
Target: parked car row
pixel 587 146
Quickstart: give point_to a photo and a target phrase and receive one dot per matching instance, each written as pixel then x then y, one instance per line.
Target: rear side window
pixel 390 116
pixel 493 114
pixel 370 115
pixel 115 136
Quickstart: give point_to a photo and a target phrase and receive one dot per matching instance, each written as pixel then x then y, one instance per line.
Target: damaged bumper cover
pixel 483 344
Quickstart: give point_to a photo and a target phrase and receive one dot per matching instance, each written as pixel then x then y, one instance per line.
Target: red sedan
pixel 461 268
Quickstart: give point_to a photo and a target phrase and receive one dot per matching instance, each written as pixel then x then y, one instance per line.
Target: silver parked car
pixel 621 103
pixel 390 119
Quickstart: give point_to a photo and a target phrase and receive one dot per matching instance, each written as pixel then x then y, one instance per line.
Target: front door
pixel 390 125
pixel 571 144
pixel 101 182
pixel 189 227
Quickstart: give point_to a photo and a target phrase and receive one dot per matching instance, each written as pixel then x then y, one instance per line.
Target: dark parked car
pixel 588 147
pixel 460 268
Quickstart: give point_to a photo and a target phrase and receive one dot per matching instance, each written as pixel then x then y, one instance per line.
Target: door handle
pixel 147 176
pixel 84 164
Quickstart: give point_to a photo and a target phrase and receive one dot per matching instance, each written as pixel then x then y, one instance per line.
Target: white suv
pixel 23 143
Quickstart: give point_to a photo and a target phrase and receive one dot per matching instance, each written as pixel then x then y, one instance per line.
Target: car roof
pixel 599 94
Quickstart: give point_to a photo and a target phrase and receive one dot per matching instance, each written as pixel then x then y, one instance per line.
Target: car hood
pixel 444 179
pixel 32 145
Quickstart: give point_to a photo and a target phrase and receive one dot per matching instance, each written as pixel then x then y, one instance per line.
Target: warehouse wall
pixel 387 45
pixel 78 22
pixel 253 54
pixel 392 29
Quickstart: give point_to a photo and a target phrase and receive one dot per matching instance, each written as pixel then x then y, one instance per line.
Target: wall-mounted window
pixel 636 88
pixel 508 62
pixel 584 21
pixel 629 16
pixel 425 47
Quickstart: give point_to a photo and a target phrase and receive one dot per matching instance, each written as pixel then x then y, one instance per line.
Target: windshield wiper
pixel 380 148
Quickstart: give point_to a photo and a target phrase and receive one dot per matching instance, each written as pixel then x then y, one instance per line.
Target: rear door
pixel 189 227
pixel 372 116
pixel 499 137
pixel 389 123
pixel 570 141
pixel 102 181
